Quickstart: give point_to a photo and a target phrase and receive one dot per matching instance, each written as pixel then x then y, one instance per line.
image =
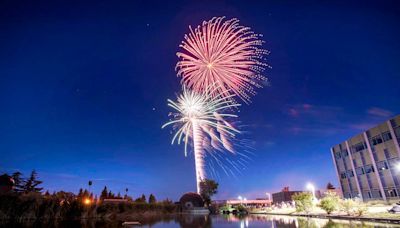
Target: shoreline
pixel 341 217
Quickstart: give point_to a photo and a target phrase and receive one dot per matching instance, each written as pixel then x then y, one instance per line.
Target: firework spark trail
pixel 222 53
pixel 200 115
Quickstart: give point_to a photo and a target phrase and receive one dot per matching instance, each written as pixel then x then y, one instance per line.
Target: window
pixel 391 193
pixel 369 169
pixel 386 136
pixel 359 147
pixel 376 140
pixel 382 165
pixel 397 132
pixel 360 171
pixel 350 173
pixel 345 153
pixel 343 175
pixel 338 155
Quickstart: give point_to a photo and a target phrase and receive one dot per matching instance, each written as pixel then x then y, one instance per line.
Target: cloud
pixel 305 109
pixel 374 111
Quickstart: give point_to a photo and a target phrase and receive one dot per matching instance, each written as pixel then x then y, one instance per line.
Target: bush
pixel 330 203
pixel 303 201
pixel 354 206
pixel 348 206
pixel 361 209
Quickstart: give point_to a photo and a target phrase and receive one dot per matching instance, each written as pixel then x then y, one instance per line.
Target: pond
pixel 197 221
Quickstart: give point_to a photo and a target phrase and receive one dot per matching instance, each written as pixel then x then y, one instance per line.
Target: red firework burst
pixel 223 54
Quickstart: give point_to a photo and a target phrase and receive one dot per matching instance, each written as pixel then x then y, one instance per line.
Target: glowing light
pixel 311 187
pixel 87 201
pixel 398 167
pixel 224 53
pixel 200 117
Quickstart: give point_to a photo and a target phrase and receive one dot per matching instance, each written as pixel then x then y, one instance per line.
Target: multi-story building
pixel 368 164
pixel 283 196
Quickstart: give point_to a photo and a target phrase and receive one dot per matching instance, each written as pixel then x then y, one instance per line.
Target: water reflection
pixel 200 221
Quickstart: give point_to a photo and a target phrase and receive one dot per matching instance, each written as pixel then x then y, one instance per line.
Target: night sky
pixel 83 90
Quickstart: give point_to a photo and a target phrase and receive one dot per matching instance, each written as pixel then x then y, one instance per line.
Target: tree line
pixel 26 200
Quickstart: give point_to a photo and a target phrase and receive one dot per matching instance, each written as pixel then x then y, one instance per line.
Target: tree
pixel 303 202
pixel 80 194
pixel 32 183
pixel 104 193
pixel 152 199
pixel 330 202
pixel 208 188
pixel 330 186
pixel 19 182
pixel 47 194
pixel 110 195
pixel 143 198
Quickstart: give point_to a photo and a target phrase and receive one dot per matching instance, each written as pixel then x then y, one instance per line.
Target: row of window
pixel 359 147
pixel 340 154
pixel 360 171
pixel 378 139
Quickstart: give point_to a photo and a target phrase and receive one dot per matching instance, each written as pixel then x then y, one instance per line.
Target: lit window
pixel 382 165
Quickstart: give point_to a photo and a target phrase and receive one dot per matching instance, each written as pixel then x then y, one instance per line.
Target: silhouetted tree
pixel 330 186
pixel 104 193
pixel 19 182
pixel 141 199
pixel 32 183
pixel 80 193
pixel 207 189
pixel 152 199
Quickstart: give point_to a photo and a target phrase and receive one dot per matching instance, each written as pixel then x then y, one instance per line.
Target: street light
pixel 87 201
pixel 398 167
pixel 240 198
pixel 312 189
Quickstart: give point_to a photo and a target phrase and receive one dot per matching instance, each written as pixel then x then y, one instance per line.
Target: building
pixel 283 196
pixel 192 203
pixel 368 164
pixel 250 203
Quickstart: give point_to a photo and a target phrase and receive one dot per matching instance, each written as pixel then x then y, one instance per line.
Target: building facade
pixel 283 196
pixel 368 164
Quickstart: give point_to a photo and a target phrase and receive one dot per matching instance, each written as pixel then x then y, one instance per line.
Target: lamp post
pixel 241 199
pixel 311 187
pixel 397 167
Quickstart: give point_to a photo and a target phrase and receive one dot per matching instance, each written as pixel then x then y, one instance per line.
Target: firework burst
pixel 223 53
pixel 201 119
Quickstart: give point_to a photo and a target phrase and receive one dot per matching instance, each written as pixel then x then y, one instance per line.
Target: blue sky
pixel 83 90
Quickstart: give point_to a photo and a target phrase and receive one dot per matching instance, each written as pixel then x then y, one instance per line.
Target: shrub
pixel 361 208
pixel 330 203
pixel 303 201
pixel 348 206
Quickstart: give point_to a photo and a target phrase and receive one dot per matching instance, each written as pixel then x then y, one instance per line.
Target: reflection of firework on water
pixel 223 53
pixel 203 119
